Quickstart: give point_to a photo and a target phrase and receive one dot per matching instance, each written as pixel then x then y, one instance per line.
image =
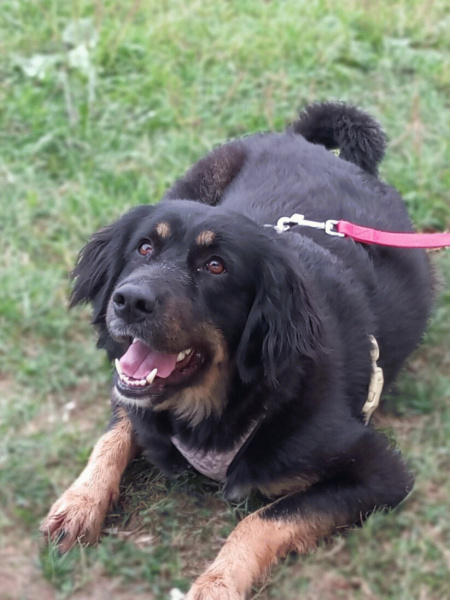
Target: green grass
pixel 164 82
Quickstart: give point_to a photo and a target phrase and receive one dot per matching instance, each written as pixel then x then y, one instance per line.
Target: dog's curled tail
pixel 339 126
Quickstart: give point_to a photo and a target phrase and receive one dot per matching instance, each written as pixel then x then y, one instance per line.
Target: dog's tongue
pixel 139 360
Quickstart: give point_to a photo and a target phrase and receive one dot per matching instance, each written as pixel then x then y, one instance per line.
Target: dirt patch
pixel 82 412
pixel 20 578
pixel 332 586
pixel 106 588
pixel 402 426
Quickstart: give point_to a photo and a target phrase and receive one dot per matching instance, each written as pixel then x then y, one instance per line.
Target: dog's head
pixel 195 297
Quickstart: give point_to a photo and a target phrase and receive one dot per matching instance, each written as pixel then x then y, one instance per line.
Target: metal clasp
pixel 331 228
pixel 285 223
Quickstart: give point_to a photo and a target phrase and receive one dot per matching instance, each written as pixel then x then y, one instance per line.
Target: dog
pixel 251 353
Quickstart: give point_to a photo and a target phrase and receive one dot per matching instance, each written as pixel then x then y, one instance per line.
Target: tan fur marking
pixel 205 238
pixel 282 487
pixel 80 512
pixel 163 230
pixel 198 402
pixel 111 454
pixel 251 549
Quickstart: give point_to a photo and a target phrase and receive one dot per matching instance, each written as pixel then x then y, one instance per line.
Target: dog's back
pixel 270 175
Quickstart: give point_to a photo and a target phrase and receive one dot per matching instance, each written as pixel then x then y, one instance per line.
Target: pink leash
pixel 367 235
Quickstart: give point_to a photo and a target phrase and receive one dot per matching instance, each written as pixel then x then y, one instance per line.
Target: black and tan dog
pixel 247 353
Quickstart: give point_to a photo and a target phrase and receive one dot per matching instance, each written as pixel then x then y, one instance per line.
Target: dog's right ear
pixel 95 267
pixel 101 261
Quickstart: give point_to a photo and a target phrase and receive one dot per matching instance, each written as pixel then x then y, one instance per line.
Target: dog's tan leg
pixel 372 476
pixel 81 510
pixel 251 549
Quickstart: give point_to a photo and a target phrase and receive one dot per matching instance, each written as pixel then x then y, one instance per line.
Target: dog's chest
pixel 211 463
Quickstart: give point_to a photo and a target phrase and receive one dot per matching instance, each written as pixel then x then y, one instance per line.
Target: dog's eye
pixel 145 249
pixel 215 266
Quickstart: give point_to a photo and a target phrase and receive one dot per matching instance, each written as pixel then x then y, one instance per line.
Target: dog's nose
pixel 132 303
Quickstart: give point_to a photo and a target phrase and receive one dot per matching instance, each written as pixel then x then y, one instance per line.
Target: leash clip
pixel 329 226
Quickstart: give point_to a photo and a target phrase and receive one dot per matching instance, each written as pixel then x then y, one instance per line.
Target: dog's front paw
pixel 77 516
pixel 213 586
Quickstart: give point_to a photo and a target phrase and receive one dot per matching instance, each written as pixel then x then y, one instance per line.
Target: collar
pixel 212 463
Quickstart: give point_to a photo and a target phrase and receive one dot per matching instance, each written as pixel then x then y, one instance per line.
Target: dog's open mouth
pixel 144 371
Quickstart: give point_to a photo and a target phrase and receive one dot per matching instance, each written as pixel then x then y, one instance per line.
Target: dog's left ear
pixel 283 327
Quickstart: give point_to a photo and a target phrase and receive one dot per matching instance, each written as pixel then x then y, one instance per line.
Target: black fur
pixel 295 309
pixel 357 136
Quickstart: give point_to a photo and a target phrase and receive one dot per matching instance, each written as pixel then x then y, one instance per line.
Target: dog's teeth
pixel 137 382
pixel 118 367
pixel 182 355
pixel 151 377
